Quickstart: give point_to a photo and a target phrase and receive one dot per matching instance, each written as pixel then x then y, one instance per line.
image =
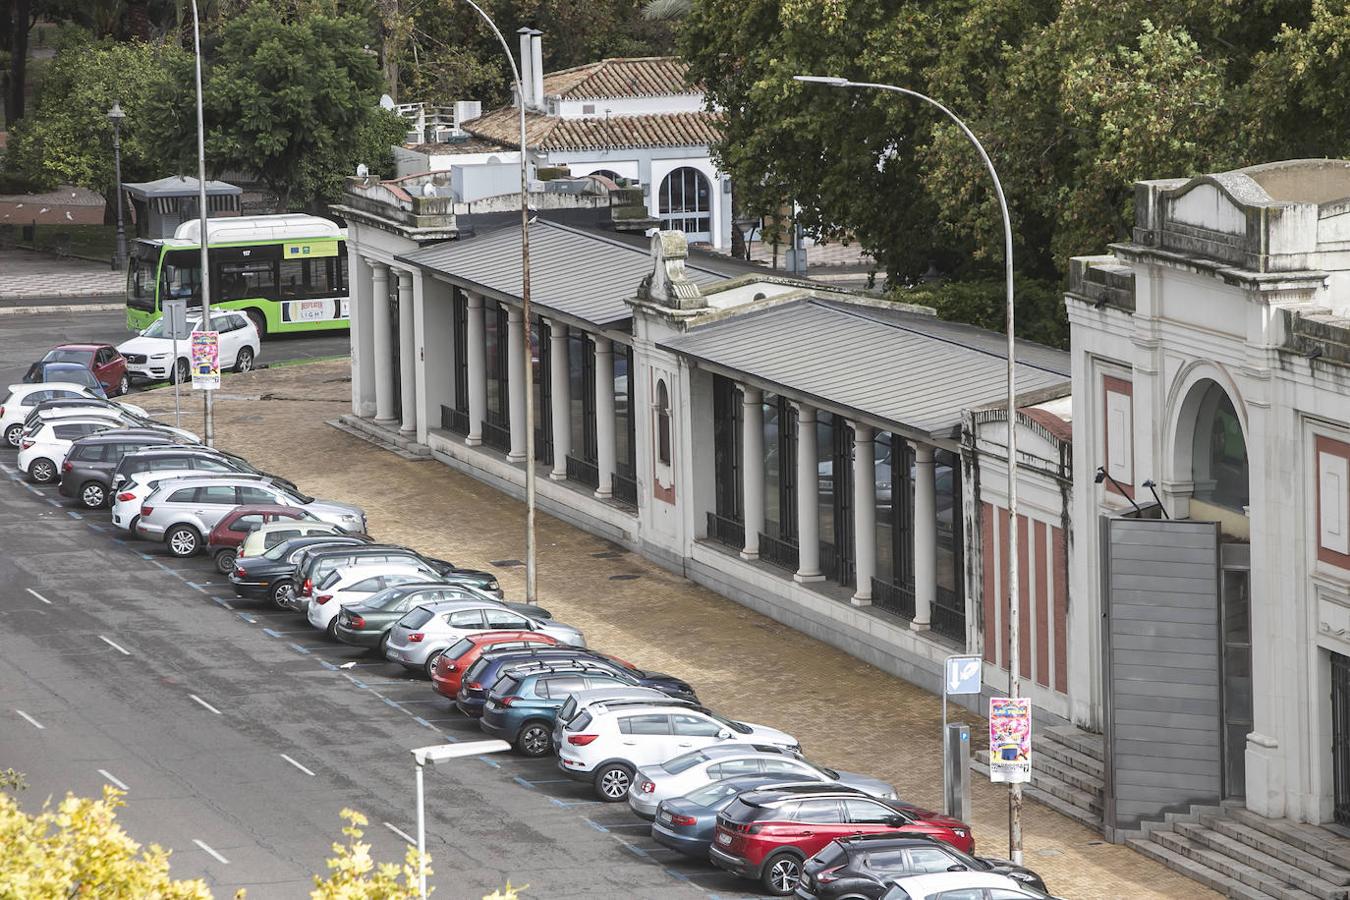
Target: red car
pixel 230 531
pixel 453 663
pixel 108 365
pixel 767 835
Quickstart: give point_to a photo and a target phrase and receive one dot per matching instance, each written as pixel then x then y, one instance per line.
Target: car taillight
pixel 239 572
pixel 357 622
pixel 146 510
pixel 125 496
pixel 65 466
pixel 826 876
pixel 323 598
pixel 26 443
pixel 649 787
pixel 474 686
pixel 581 740
pixel 507 701
pixel 307 588
pixel 682 820
pixel 416 637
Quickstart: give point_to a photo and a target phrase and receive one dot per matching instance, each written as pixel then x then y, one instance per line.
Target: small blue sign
pixel 963 675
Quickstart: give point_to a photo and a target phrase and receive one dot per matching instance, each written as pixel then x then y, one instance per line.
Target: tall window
pixel 662 423
pixel 685 202
pixel 1219 459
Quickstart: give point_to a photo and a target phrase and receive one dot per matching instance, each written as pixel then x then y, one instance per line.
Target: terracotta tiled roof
pixel 645 76
pixel 683 129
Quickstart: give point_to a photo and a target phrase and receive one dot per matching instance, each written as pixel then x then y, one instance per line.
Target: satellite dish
pixel 428 189
pixel 362 170
pixel 387 102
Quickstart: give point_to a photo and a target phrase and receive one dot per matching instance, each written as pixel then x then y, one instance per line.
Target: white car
pixel 269 534
pixel 607 743
pixel 131 493
pixel 354 585
pixel 960 885
pixel 150 355
pixel 21 399
pixel 120 417
pixel 43 445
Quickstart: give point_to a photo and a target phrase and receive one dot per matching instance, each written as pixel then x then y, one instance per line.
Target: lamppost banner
pixel 1009 739
pixel 205 360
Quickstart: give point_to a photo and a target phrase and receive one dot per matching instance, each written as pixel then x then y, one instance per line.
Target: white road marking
pixel 39 596
pixel 115 782
pixel 400 833
pixel 205 704
pixel 31 721
pixel 218 857
pixel 120 649
pixel 296 764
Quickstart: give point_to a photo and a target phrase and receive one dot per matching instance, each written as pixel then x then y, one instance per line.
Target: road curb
pixel 62 308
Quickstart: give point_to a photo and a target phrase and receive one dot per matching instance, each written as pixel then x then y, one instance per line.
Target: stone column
pixel 407 353
pixel 605 450
pixel 864 512
pixel 384 348
pixel 477 363
pixel 560 388
pixel 925 537
pixel 360 316
pixel 752 468
pixel 515 380
pixel 808 497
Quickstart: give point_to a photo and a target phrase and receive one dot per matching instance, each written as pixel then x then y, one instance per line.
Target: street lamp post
pixel 528 362
pixel 115 116
pixel 1014 661
pixel 209 431
pixel 434 756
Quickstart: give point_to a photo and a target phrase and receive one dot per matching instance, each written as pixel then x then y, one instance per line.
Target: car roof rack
pixel 613 705
pixel 545 665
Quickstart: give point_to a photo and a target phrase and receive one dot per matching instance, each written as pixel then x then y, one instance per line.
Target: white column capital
pixel 379 268
pixel 862 434
pixel 475 301
pixel 751 396
pixel 602 344
pixel 806 413
pixel 514 314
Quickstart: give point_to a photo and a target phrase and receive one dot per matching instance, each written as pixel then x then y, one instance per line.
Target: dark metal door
pixel 395 340
pixel 1235 618
pixel 1340 735
pixel 726 449
pixel 843 502
pixel 544 414
pixel 787 470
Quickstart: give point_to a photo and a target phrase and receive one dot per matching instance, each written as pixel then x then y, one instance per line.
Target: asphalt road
pixel 24 337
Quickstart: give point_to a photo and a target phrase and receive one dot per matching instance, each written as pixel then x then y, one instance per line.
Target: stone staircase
pixel 384 438
pixel 1242 855
pixel 1066 772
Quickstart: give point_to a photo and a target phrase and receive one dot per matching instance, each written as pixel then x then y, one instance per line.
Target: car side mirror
pixel 724 735
pixel 899 821
pixel 956 867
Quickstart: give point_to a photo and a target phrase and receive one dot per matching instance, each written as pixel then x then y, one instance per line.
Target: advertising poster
pixel 205 360
pixel 1009 739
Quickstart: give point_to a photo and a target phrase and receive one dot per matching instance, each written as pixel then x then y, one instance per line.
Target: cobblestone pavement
pixel 24 273
pixel 845 713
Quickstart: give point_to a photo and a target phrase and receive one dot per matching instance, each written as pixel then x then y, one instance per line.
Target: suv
pixel 181 512
pixel 524 702
pixel 187 457
pixel 768 835
pixel 224 540
pixel 424 634
pixel 43 446
pixel 863 866
pixel 314 566
pixel 447 675
pixel 91 461
pixel 608 742
pixel 121 418
pixel 94 404
pixel 102 361
pixel 271 575
pixel 21 399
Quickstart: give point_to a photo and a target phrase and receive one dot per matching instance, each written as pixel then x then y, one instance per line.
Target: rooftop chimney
pixel 527 98
pixel 537 67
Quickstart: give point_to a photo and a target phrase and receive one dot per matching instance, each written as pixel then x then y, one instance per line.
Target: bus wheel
pixel 259 322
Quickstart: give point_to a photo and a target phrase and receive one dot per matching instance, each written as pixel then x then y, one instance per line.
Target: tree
pixel 354 875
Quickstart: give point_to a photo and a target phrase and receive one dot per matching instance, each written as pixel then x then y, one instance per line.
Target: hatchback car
pixel 271 575
pixel 102 361
pixel 863 867
pixel 609 742
pixel 348 587
pixel 43 446
pixel 581 702
pixel 421 636
pixel 182 512
pixel 521 706
pixel 89 464
pixel 448 673
pixel 690 771
pixel 21 398
pixel 222 544
pixel 188 457
pixel 686 824
pixel 96 404
pixel 961 886
pixel 150 355
pixel 314 566
pixel 767 836
pixel 121 417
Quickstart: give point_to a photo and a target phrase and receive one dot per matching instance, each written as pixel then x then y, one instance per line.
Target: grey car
pixel 89 465
pixel 421 636
pixel 182 512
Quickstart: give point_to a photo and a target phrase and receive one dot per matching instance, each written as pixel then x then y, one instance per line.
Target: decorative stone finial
pixel 667 284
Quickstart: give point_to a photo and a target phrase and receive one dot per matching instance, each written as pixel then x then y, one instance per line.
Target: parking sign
pixel 963 675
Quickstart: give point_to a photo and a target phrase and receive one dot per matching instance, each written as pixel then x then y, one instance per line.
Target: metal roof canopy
pixel 178 186
pixel 581 278
pixel 916 374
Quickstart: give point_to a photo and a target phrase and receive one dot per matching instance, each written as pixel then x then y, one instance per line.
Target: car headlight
pixel 159 355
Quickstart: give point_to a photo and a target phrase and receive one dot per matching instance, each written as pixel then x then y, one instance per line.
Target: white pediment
pixel 1205 206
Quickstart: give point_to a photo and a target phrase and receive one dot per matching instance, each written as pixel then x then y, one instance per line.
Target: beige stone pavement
pixel 846 713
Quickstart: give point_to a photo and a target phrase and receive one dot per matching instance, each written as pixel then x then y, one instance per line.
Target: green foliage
pixel 1039 306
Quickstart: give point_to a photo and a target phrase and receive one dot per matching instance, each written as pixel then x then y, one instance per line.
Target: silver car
pixel 182 513
pixel 419 638
pixel 690 771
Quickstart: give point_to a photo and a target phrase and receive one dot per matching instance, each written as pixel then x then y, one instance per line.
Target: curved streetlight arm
pixel 1014 661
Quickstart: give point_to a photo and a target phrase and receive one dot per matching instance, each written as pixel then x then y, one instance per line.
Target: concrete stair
pixel 389 439
pixel 1240 854
pixel 1066 772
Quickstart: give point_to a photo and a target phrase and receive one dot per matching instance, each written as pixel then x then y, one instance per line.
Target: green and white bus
pixel 287 273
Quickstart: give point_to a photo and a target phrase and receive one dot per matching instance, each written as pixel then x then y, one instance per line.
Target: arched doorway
pixel 684 202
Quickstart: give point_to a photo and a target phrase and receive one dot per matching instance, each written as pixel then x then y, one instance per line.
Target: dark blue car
pixel 523 704
pixel 686 824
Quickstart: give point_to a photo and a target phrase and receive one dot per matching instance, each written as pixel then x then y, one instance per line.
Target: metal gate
pixel 842 465
pixel 395 343
pixel 1340 735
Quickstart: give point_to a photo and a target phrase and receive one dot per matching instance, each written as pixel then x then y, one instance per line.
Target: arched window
pixel 662 423
pixel 685 202
pixel 1219 455
pixel 610 174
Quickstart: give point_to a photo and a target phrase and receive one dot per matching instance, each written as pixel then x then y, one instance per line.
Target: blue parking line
pixel 197 587
pixel 451 739
pixel 388 702
pixel 96 527
pixel 298 649
pixel 247 618
pixel 491 762
pixel 568 804
pixel 596 825
pixel 424 723
pixel 73 514
pixel 524 783
pixel 327 665
pixel 637 851
pixel 677 875
pixel 272 632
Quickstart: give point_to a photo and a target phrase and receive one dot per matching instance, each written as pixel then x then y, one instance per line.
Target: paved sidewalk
pixel 25 274
pixel 846 713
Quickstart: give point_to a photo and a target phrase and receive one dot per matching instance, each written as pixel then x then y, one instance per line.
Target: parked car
pixel 21 398
pixel 123 418
pixel 862 867
pixel 102 361
pixel 150 355
pixel 129 497
pixel 686 824
pixel 43 446
pixel 222 544
pixel 347 587
pixel 767 836
pixel 521 706
pixel 190 457
pixel 271 575
pixel 88 466
pixel 448 673
pixel 314 566
pixel 367 624
pixel 961 886
pixel 609 742
pixel 182 512
pixel 690 771
pixel 64 373
pixel 269 534
pixel 422 635
pixel 83 403
pixel 581 702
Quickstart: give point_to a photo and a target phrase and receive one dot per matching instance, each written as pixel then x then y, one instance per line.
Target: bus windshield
pixel 141 276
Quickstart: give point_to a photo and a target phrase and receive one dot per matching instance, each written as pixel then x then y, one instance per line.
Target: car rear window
pixel 833 854
pixel 687 761
pixel 417 618
pixel 459 648
pixel 740 811
pixel 505 685
pixel 477 668
pixel 580 722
